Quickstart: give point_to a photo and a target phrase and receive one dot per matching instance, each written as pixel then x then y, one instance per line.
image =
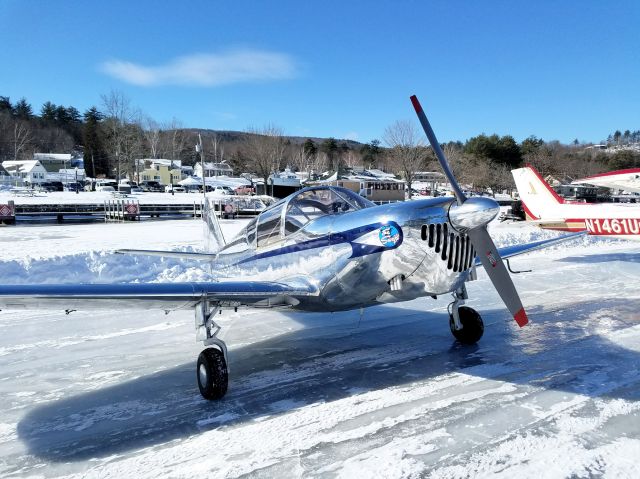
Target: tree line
pixel 112 135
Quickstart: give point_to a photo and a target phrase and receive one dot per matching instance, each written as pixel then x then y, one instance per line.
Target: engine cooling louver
pixel 454 249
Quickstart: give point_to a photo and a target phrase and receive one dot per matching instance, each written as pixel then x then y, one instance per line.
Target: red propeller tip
pixel 416 104
pixel 521 317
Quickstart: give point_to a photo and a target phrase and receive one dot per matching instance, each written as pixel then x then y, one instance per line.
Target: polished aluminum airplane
pixel 322 248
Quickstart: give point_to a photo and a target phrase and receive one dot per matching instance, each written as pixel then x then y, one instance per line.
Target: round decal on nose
pixel 389 236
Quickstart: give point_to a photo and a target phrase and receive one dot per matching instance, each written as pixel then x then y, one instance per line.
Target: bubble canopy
pixel 295 211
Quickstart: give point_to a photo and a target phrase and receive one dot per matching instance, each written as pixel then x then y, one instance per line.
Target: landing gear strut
pixel 465 323
pixel 211 369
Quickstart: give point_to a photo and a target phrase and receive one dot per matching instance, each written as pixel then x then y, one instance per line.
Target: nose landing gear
pixel 465 323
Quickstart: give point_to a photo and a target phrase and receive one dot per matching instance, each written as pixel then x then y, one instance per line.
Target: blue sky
pixel 557 70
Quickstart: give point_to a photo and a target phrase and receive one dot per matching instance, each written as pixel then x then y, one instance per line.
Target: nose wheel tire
pixel 212 374
pixel 472 326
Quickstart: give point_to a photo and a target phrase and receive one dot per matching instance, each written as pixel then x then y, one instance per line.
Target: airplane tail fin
pixel 213 238
pixel 538 198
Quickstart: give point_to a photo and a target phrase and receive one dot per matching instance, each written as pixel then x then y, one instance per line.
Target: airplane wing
pixel 628 180
pixel 170 254
pixel 516 250
pixel 166 296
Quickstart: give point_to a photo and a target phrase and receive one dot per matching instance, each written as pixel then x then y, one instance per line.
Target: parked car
pixel 52 186
pixel 151 186
pixel 175 189
pixel 73 187
pixel 245 190
pixel 221 190
pixel 106 184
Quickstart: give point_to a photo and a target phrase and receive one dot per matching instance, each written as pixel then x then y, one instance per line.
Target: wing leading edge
pixel 170 254
pixel 515 250
pixel 148 295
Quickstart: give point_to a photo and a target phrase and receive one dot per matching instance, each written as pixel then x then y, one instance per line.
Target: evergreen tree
pixel 62 117
pixel 616 137
pixel 94 157
pixel 370 153
pixel 503 150
pixel 48 112
pixel 5 104
pixel 330 147
pixel 22 110
pixel 531 145
pixel 73 115
pixel 309 147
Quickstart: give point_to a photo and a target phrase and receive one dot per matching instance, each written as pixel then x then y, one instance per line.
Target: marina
pixel 103 206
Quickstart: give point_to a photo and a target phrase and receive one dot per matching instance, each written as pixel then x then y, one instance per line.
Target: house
pixel 30 172
pixel 54 162
pixel 213 169
pixel 5 177
pixel 375 185
pixel 166 172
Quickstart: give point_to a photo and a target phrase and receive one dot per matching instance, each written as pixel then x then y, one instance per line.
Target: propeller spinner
pixel 471 215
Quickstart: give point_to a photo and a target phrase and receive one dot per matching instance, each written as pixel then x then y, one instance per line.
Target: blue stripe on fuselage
pixel 332 239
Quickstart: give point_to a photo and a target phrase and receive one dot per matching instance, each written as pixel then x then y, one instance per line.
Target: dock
pixel 120 209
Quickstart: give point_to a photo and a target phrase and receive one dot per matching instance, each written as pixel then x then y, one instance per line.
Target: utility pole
pixel 200 150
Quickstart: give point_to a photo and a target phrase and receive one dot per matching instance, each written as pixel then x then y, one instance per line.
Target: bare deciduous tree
pixel 406 149
pixel 152 132
pixel 173 141
pixel 265 148
pixel 119 116
pixel 217 149
pixel 21 138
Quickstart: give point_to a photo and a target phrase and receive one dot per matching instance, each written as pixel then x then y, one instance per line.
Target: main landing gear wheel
pixel 472 326
pixel 212 374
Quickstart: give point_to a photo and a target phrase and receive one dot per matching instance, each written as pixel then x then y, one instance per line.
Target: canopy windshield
pixel 294 212
pixel 311 203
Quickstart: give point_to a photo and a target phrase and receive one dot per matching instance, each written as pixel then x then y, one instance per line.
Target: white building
pixel 5 177
pixel 54 162
pixel 30 171
pixel 70 175
pixel 213 169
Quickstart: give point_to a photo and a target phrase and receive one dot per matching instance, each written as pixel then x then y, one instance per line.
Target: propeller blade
pixel 498 274
pixel 438 151
pixel 473 219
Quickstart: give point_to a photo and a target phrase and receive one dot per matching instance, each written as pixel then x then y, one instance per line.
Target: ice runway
pixel 388 394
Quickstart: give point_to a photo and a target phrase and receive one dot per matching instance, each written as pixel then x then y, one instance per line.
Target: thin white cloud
pixel 207 70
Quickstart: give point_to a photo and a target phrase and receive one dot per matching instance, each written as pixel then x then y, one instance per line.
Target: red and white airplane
pixel 627 180
pixel 543 206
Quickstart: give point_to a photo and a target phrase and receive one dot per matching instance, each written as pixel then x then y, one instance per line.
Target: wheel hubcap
pixel 202 374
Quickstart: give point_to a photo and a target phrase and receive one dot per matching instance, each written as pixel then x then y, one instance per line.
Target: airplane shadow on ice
pixel 318 364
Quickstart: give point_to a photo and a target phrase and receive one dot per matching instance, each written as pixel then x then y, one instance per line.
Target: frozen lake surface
pixel 388 394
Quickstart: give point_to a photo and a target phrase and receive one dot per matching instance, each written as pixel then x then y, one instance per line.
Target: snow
pixel 112 394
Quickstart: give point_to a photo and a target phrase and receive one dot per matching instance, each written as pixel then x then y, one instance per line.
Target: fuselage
pixel 354 258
